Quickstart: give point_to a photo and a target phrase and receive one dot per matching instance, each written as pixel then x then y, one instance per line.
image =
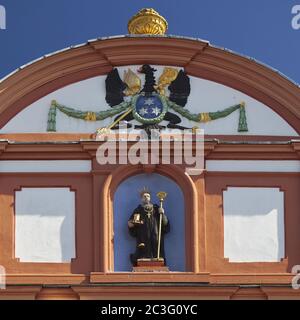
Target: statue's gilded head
pixel 145 195
pixel 146 198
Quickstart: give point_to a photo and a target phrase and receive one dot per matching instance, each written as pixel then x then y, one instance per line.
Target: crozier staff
pixel 145 224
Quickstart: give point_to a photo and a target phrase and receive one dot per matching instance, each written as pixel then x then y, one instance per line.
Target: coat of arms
pixel 149 105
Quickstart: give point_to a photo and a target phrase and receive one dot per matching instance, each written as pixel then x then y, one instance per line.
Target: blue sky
pixel 258 28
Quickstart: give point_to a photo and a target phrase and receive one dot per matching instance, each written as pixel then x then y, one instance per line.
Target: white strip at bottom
pixel 45 166
pixel 253 165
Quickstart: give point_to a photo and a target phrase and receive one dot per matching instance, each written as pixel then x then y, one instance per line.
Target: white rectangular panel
pixel 45 225
pixel 253 165
pixel 45 166
pixel 253 224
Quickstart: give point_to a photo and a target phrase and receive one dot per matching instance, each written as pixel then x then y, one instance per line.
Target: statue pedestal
pixel 150 265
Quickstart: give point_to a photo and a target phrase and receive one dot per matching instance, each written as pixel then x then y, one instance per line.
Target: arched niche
pixel 127 198
pixel 192 217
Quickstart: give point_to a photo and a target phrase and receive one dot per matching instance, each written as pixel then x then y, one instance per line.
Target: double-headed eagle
pixel 149 102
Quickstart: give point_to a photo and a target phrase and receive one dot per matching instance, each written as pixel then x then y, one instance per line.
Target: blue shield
pixel 149 109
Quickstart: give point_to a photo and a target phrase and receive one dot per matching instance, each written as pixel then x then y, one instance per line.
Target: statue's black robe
pixel 147 233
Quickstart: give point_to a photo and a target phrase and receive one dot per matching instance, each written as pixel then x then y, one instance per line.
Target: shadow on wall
pixel 127 198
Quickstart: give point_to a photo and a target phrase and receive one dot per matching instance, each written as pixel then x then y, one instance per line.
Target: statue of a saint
pixel 148 224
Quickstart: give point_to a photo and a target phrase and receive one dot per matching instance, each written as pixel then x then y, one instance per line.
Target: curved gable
pixel 198 58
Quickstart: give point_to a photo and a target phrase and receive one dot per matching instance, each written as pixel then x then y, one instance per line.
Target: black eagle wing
pixel 114 88
pixel 180 89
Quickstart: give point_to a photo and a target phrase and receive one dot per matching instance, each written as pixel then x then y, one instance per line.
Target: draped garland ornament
pixel 128 107
pixel 83 115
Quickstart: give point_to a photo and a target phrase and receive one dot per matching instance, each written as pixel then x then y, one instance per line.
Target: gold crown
pixel 147 21
pixel 144 190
